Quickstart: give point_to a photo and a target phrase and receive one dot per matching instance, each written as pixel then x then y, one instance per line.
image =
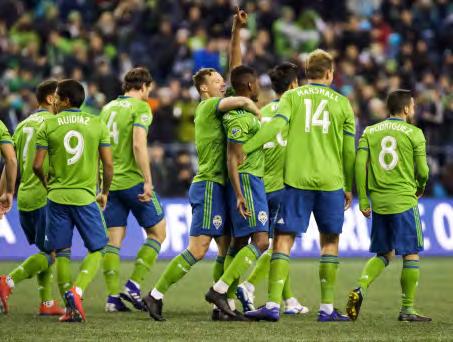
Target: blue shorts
pixel 88 219
pixel 121 202
pixel 295 211
pixel 400 232
pixel 208 209
pixel 255 195
pixel 274 200
pixel 33 224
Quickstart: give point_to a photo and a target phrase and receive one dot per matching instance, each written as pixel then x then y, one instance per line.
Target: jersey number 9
pixel 76 150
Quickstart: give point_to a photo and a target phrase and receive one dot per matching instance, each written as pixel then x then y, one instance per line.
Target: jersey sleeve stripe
pixel 139 125
pixel 105 145
pixel 42 147
pixel 5 142
pixel 349 133
pixel 281 116
pixel 235 141
pixel 364 148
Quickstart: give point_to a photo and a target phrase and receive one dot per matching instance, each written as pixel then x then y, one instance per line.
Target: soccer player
pixel 207 191
pixel 32 201
pixel 392 154
pixel 283 77
pixel 246 196
pixel 128 119
pixel 74 142
pixel 319 171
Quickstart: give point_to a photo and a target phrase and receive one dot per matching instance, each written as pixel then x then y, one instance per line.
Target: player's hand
pixel 366 212
pixel 347 200
pixel 240 17
pixel 242 207
pixel 420 192
pixel 102 200
pixel 6 203
pixel 147 193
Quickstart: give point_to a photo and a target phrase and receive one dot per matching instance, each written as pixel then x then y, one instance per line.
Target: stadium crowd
pixel 378 45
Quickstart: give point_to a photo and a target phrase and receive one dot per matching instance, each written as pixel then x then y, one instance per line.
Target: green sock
pixel 45 284
pixel 261 270
pixel 145 259
pixel 229 259
pixel 111 264
pixel 88 269
pixel 327 276
pixel 287 288
pixel 373 268
pixel 240 264
pixel 278 274
pixel 64 274
pixel 409 282
pixel 33 265
pixel 177 269
pixel 217 270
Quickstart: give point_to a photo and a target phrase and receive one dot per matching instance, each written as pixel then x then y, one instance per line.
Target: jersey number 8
pixel 76 150
pixel 388 145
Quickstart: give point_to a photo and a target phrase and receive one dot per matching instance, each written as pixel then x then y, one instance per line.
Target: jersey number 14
pixel 314 119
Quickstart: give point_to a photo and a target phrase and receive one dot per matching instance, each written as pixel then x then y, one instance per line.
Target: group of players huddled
pixel 261 174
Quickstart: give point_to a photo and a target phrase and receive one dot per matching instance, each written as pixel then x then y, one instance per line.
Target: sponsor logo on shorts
pixel 262 217
pixel 281 221
pixel 217 221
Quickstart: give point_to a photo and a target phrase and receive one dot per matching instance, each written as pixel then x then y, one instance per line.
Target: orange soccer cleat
pixel 51 309
pixel 5 291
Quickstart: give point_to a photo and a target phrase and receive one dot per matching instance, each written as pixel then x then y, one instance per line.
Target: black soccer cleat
pixel 218 315
pixel 219 300
pixel 154 307
pixel 355 300
pixel 413 317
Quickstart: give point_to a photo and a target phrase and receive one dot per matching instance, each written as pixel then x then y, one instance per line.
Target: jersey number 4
pixel 314 119
pixel 113 128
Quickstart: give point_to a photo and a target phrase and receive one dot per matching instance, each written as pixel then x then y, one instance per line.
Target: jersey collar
pixel 395 119
pixel 319 84
pixel 124 97
pixel 276 100
pixel 72 110
pixel 39 111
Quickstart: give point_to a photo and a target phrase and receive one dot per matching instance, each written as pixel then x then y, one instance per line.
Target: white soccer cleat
pixel 293 307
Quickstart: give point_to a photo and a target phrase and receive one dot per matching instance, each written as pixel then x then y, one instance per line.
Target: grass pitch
pixel 188 315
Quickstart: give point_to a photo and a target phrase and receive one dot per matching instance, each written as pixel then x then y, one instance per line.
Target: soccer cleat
pixel 295 309
pixel 51 309
pixel 335 316
pixel 74 304
pixel 154 307
pixel 264 314
pixel 132 294
pixel 70 316
pixel 413 317
pixel 246 298
pixel 115 304
pixel 238 317
pixel 354 303
pixel 219 300
pixel 5 291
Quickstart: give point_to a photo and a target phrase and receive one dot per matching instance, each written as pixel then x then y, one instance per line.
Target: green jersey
pixel 240 126
pixel 32 194
pixel 392 147
pixel 121 116
pixel 73 139
pixel 210 142
pixel 274 152
pixel 319 117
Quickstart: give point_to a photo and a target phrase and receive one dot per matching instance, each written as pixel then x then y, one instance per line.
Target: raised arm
pixel 140 149
pixel 9 155
pixel 233 157
pixel 239 21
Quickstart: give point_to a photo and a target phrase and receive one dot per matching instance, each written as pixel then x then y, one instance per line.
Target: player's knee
pixel 63 253
pixel 386 257
pixel 238 242
pixel 50 257
pixel 409 257
pixel 261 241
pixel 223 243
pixel 158 232
pixel 116 236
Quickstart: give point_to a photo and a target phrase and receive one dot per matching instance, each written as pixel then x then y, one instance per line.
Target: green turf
pixel 189 315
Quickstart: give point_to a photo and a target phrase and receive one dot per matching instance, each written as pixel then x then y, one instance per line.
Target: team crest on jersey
pixel 235 131
pixel 217 221
pixel 144 118
pixel 262 217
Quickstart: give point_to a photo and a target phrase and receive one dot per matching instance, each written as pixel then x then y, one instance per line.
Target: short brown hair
pixel 397 100
pixel 317 63
pixel 135 78
pixel 45 89
pixel 200 76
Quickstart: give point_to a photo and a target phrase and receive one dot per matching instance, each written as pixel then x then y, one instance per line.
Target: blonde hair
pixel 317 63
